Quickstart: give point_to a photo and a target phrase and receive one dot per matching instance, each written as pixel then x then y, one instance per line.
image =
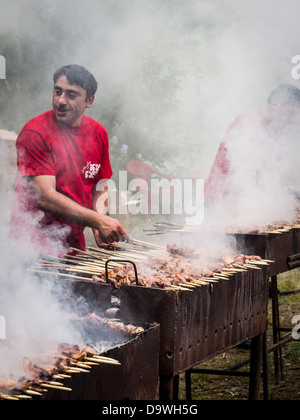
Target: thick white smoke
pixel 35 320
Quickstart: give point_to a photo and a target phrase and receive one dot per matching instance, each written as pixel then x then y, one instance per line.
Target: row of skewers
pixel 89 265
pixel 50 372
pixel 170 268
pixel 160 228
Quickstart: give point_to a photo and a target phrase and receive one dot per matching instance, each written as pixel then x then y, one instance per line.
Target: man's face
pixel 69 102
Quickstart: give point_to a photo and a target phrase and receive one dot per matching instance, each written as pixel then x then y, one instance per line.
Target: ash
pixel 102 346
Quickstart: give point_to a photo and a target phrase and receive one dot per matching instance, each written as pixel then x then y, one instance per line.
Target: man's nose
pixel 62 99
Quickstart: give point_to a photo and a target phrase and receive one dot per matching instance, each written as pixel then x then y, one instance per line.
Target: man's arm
pixel 44 187
pixel 100 204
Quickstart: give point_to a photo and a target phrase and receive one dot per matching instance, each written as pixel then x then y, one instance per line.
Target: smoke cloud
pixel 35 320
pixel 171 75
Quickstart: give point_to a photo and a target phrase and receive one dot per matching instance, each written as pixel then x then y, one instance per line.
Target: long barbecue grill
pixel 197 319
pixel 118 361
pixel 197 325
pixel 278 244
pixel 283 247
pixel 136 378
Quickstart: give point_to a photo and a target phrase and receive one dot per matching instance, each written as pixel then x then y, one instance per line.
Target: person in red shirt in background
pixel 63 155
pixel 251 139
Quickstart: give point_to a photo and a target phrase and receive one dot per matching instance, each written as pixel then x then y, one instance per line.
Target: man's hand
pixel 109 231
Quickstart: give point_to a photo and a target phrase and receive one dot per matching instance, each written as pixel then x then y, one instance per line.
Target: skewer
pixel 22 397
pixel 50 383
pixel 232 270
pixel 225 274
pixel 31 392
pixel 80 365
pixel 98 356
pixel 75 269
pixel 108 361
pixel 123 254
pixel 95 258
pixel 252 266
pixel 203 283
pixel 74 258
pixel 219 276
pixel 87 254
pixel 102 360
pixel 91 359
pixel 258 262
pixel 59 274
pixel 71 370
pixel 8 397
pixel 193 283
pixel 61 388
pixel 207 280
pixel 148 244
pixel 78 369
pixel 37 389
pixel 60 376
pixel 179 288
pixel 239 268
pixel 189 285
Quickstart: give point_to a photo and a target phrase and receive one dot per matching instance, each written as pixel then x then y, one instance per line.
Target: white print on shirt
pixel 91 170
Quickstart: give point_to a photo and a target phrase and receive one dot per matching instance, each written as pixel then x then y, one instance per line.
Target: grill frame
pixel 271 246
pixel 136 379
pixel 196 326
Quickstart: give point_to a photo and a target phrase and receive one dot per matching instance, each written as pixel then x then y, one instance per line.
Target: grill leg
pixel 176 388
pixel 188 385
pixel 265 372
pixel 276 326
pixel 255 367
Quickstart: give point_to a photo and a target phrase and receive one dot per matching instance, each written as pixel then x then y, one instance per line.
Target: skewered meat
pixel 7 384
pixel 268 228
pixel 176 270
pixel 39 372
pixel 117 326
pixel 42 370
pixel 98 279
pixel 182 251
pixel 112 280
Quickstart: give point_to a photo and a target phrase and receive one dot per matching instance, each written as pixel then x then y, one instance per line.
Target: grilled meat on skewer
pixel 182 251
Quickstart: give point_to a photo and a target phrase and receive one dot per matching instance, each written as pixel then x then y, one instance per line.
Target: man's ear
pixel 90 101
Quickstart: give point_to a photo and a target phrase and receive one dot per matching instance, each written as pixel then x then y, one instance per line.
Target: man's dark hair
pixel 78 75
pixel 284 94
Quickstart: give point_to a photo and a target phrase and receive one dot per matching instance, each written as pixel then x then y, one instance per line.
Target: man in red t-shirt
pixel 253 142
pixel 63 162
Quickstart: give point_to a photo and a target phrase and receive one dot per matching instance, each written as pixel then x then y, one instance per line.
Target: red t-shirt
pixel 78 158
pixel 247 131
